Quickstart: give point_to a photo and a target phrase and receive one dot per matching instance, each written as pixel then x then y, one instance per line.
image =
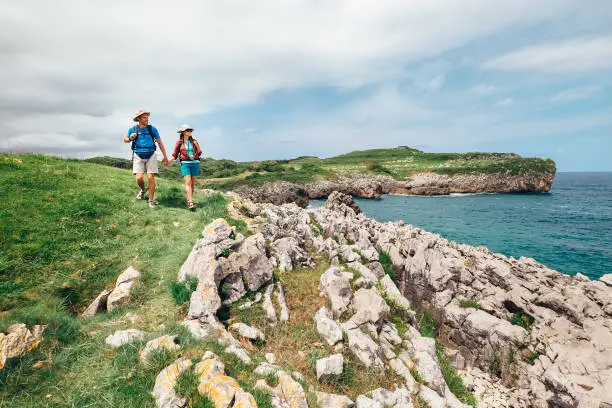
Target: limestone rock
pixel 337 200
pixel 291 392
pixel 98 305
pixel 327 327
pixel 163 391
pixel 365 402
pixel 248 332
pixel 289 255
pixel 121 292
pixel 282 303
pixel 326 400
pixel 369 307
pixel 329 366
pixel 268 306
pixel 169 343
pixel 121 337
pixel 19 340
pixel 363 347
pixel 336 285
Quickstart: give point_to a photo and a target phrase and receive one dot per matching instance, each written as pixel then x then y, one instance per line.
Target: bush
pixel 522 319
pixel 385 260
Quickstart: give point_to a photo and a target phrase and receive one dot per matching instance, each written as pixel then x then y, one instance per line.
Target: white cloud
pixel 572 55
pixel 484 89
pixel 437 82
pixel 505 102
pixel 74 72
pixel 575 94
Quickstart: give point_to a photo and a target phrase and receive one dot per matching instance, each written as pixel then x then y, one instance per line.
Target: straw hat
pixel 140 112
pixel 184 128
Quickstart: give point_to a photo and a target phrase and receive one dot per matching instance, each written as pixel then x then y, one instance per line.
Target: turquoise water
pixel 568 229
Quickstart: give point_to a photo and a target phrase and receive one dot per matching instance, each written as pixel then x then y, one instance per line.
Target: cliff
pixel 402 170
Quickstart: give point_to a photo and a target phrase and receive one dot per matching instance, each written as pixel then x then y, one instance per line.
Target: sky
pixel 275 79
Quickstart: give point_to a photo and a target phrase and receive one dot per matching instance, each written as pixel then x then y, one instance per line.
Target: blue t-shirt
pixel 144 142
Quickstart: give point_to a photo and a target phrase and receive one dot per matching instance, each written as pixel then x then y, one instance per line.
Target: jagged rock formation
pixel 559 354
pixel 561 357
pixel 374 186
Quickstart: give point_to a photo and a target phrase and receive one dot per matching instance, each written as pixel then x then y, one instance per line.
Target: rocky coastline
pixel 517 333
pixel 374 186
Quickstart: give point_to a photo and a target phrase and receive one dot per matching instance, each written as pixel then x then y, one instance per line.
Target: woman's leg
pixel 193 183
pixel 188 187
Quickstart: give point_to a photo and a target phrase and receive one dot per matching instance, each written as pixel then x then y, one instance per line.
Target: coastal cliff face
pixel 522 334
pixel 374 186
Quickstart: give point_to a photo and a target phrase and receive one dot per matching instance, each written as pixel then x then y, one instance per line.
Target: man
pixel 144 160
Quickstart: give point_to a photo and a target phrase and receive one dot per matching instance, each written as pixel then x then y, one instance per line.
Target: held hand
pixel 165 161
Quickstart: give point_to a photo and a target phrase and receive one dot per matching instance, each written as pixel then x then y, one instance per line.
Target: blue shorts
pixel 190 169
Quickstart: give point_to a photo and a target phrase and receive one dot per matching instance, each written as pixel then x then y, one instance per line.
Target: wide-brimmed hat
pixel 140 112
pixel 184 128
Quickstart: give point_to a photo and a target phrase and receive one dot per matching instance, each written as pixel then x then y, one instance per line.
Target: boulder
pixel 267 305
pixel 248 332
pixel 121 292
pixel 365 402
pixel 336 285
pixel 289 255
pixel 169 343
pixel 326 400
pixel 327 327
pixel 98 305
pixel 19 340
pixel 338 201
pixel 366 350
pixel 163 390
pixel 329 367
pixel 282 303
pixel 122 337
pixel 369 307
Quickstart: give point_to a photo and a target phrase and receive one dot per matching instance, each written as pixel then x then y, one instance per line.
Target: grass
pixel 67 229
pixel 181 291
pixel 385 260
pixel 453 379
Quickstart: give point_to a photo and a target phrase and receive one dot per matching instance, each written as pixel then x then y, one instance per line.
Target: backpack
pixel 144 155
pixel 181 145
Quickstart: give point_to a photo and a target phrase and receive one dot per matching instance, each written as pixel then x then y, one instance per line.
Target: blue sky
pixel 285 79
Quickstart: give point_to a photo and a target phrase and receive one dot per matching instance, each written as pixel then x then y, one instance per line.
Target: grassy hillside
pixel 67 229
pixel 399 162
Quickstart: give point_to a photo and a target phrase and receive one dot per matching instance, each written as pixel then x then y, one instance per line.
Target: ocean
pixel 568 229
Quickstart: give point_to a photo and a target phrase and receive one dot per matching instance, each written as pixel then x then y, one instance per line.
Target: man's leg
pixel 188 188
pixel 151 179
pixel 140 181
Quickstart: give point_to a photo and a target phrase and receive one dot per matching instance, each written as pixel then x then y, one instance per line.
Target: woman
pixel 187 151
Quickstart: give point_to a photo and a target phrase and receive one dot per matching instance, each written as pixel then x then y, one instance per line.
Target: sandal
pixel 191 205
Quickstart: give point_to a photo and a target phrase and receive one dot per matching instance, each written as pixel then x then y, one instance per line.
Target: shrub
pixel 522 319
pixel 427 324
pixel 385 260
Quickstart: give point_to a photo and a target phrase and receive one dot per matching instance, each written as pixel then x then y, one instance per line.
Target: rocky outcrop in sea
pixel 374 186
